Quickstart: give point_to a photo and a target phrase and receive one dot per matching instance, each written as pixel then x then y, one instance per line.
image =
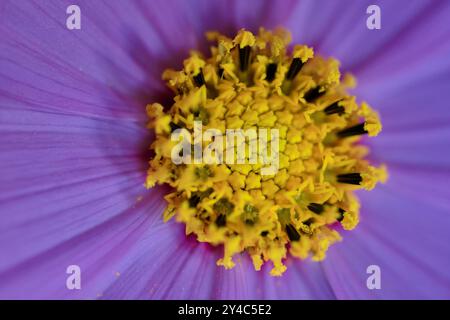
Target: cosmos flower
pixel 74 150
pixel 262 150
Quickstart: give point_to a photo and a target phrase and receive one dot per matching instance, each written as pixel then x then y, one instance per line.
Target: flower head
pixel 251 83
pixel 74 147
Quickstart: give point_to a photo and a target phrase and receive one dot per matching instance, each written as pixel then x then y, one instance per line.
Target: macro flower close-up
pixel 340 191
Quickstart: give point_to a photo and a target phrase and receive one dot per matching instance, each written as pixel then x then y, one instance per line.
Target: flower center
pixel 251 82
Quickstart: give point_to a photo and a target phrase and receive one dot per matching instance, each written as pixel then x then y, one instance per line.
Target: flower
pixel 224 192
pixel 74 150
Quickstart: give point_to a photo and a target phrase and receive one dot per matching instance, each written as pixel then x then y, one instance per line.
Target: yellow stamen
pixel 251 82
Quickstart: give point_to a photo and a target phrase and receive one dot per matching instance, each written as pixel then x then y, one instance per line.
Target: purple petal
pixel 186 269
pixel 403 230
pixel 167 265
pixel 70 190
pixel 99 252
pixel 302 280
pixel 110 68
pixel 73 151
pixel 72 142
pixel 63 175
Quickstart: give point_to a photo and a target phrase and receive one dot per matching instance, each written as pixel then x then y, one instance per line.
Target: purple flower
pixel 74 150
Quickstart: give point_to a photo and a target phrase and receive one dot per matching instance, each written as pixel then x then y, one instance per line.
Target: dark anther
pixel 194 200
pixel 264 233
pixel 350 178
pixel 295 67
pixel 352 131
pixel 313 94
pixel 198 196
pixel 221 220
pixel 203 173
pixel 334 108
pixel 292 233
pixel 341 215
pixel 220 72
pixel 250 214
pixel 271 69
pixel 316 207
pixel 249 222
pixel 201 114
pixel 244 57
pixel 199 79
pixel 174 126
pixel 308 222
pixel 223 206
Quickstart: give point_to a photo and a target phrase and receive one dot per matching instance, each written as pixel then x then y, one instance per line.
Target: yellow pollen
pixel 253 82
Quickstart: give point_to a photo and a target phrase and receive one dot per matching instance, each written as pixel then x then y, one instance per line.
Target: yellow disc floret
pixel 251 82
